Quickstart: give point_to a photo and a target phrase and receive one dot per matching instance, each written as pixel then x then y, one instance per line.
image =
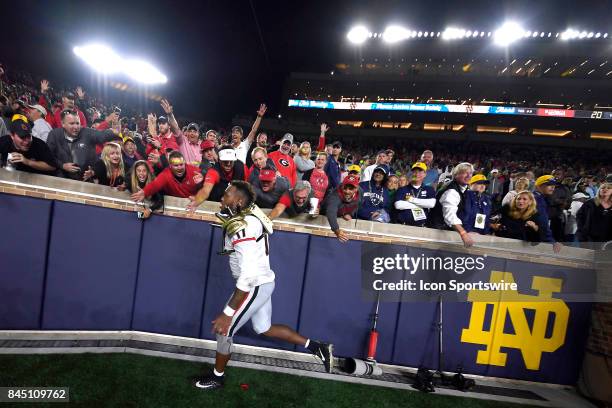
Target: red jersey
pixel 170 185
pixel 285 165
pixel 168 141
pixel 57 118
pixel 319 183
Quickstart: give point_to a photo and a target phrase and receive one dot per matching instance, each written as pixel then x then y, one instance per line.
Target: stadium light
pixel 452 33
pixel 358 34
pixel 106 61
pixel 569 34
pixel 508 33
pixel 394 34
pixel 100 57
pixel 144 72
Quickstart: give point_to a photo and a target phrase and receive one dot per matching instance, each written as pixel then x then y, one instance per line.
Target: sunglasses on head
pixel 67 112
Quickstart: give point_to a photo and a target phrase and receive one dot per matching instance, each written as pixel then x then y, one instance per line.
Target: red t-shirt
pixel 285 165
pixel 167 142
pixel 213 176
pixel 285 200
pixel 101 126
pixel 319 183
pixel 177 188
pixel 57 118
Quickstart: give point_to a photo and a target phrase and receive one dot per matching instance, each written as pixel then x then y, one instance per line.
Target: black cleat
pixel 210 382
pixel 325 352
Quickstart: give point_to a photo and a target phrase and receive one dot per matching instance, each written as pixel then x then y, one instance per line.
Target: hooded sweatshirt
pixel 373 198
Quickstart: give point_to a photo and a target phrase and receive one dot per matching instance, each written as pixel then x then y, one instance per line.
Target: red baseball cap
pixel 267 175
pixel 207 144
pixel 352 180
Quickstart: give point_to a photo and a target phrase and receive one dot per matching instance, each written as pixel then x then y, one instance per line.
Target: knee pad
pixel 224 344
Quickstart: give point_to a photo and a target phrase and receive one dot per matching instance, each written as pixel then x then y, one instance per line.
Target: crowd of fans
pixel 532 194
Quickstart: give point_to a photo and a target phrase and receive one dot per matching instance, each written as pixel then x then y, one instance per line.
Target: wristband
pixel 228 311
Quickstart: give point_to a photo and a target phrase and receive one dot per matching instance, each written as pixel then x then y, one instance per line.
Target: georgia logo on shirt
pixel 284 162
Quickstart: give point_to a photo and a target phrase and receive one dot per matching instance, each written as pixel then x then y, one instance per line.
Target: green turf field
pixel 126 380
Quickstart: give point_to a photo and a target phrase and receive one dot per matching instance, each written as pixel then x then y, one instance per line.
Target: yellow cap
pixel 479 178
pixel 19 116
pixel 354 167
pixel 419 165
pixel 546 179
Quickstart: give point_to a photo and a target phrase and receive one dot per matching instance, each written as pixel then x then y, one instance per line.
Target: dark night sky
pixel 212 53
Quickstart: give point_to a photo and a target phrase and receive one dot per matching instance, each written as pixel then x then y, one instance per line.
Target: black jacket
pixel 81 151
pixel 559 201
pixel 594 223
pixel 516 229
pixel 436 217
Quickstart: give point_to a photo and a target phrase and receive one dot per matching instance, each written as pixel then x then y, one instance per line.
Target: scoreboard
pixel 426 107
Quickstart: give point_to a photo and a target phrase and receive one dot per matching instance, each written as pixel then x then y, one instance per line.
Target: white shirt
pixel 250 263
pixel 242 150
pixel 450 204
pixel 41 129
pixel 509 197
pixel 367 173
pixel 414 202
pixel 571 225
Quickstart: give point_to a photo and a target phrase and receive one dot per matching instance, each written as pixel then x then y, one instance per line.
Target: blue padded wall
pixel 172 275
pixel 93 257
pixel 23 248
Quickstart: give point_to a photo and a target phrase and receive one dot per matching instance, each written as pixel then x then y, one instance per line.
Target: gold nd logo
pixel 531 341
